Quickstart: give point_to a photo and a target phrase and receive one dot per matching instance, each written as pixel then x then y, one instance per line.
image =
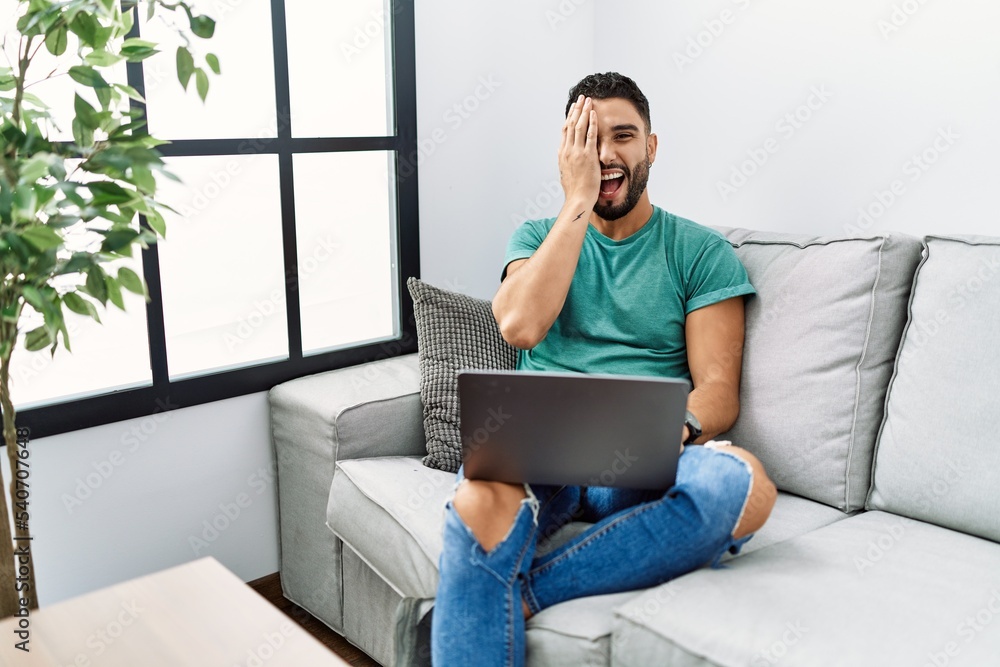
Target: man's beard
pixel 637 180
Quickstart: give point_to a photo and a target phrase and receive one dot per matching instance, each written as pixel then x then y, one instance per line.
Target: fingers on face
pixel 574 113
pixel 583 122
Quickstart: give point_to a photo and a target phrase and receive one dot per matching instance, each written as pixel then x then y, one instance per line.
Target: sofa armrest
pixel 356 412
pixel 362 411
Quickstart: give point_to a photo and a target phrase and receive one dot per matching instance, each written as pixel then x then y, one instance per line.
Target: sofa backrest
pixel 938 455
pixel 821 337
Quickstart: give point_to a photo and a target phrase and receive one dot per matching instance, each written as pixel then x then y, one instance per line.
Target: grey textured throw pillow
pixel 454 332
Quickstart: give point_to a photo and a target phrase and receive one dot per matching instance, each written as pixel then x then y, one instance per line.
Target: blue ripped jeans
pixel 639 539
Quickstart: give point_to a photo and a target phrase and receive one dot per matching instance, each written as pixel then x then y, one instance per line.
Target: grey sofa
pixel 870 392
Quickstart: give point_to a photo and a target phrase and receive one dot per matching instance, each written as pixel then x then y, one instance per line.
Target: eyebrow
pixel 627 126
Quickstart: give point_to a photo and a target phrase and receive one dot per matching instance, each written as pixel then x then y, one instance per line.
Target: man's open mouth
pixel 611 183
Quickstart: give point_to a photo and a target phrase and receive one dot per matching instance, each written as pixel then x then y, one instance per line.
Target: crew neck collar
pixel 639 233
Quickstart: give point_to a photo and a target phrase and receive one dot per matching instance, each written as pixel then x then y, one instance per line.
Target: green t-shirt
pixel 626 306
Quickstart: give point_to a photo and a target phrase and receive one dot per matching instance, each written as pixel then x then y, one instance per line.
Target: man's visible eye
pixel 623 136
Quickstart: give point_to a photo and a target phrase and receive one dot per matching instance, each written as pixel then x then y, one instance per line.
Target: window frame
pixel 165 394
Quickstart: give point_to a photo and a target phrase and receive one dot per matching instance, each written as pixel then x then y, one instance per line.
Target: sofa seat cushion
pixel 873 589
pixel 390 510
pixel 792 516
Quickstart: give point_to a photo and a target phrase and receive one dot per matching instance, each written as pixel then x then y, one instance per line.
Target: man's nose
pixel 606 152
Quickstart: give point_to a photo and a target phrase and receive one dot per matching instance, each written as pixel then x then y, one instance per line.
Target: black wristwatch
pixel 693 426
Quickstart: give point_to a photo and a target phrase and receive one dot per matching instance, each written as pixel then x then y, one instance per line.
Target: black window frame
pixel 165 394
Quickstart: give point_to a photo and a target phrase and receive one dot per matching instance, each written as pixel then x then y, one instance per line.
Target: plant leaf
pixel 57 40
pixel 37 339
pixel 185 66
pixel 106 192
pixel 95 285
pixel 114 292
pixel 116 239
pixel 86 114
pixel 203 26
pixel 81 306
pixel 82 135
pixel 85 26
pixel 213 62
pixel 101 58
pixel 88 76
pixel 157 223
pixel 33 297
pixel 42 237
pixel 130 91
pixel 201 81
pixel 131 281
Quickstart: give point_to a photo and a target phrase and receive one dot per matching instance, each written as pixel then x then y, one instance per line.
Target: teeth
pixel 610 177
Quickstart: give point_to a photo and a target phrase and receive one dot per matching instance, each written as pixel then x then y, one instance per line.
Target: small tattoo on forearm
pixel 578 217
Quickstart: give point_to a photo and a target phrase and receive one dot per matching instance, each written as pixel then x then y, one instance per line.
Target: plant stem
pixel 21 528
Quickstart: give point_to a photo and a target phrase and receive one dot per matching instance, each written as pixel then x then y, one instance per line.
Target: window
pixel 294 228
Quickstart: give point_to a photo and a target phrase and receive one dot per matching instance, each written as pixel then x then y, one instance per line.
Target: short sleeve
pixel 715 276
pixel 523 243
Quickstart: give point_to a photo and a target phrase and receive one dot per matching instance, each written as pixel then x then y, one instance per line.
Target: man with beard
pixel 616 285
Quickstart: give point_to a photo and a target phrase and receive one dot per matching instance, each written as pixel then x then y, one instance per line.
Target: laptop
pixel 570 428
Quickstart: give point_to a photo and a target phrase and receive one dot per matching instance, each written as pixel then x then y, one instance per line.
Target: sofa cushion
pixel 821 337
pixel 938 457
pixel 454 332
pixel 792 516
pixel 389 510
pixel 874 589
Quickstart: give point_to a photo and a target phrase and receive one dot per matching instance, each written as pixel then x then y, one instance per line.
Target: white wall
pixel 482 172
pixel 182 468
pixel 121 500
pixel 496 167
pixel 890 93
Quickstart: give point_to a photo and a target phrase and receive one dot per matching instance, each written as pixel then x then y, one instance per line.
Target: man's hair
pixel 608 85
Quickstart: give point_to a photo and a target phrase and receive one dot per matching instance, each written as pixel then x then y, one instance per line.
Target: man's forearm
pixel 530 299
pixel 716 405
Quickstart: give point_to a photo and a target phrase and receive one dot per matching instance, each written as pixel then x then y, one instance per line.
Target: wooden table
pixel 198 614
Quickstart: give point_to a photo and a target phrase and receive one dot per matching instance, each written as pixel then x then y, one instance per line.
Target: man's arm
pixel 715 356
pixel 534 291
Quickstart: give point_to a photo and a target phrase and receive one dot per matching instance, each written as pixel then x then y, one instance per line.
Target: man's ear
pixel 651 143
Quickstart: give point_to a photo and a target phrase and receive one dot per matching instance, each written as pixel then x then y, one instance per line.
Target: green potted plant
pixel 68 210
